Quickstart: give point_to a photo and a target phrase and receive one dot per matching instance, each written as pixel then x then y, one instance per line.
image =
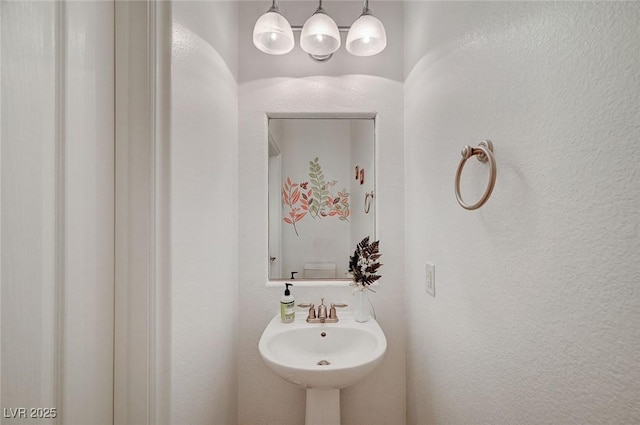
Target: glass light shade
pixel 320 35
pixel 272 34
pixel 366 37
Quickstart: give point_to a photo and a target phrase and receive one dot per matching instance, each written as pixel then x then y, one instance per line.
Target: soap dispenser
pixel 287 305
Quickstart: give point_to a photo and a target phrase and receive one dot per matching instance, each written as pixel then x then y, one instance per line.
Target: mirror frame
pixel 328 116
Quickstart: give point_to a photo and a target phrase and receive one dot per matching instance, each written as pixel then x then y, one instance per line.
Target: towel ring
pixel 484 151
pixel 368 198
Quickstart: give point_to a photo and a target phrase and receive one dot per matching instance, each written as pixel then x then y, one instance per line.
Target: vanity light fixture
pixel 272 33
pixel 320 36
pixel 367 36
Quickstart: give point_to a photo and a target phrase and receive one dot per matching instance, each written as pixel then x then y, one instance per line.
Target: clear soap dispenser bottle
pixel 287 305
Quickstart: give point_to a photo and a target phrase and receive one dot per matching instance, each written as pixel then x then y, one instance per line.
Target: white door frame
pixel 142 245
pixel 58 222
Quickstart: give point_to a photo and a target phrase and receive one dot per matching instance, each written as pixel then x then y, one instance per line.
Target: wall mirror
pixel 321 195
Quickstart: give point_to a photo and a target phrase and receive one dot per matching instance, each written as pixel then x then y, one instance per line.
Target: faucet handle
pixel 332 311
pixel 312 312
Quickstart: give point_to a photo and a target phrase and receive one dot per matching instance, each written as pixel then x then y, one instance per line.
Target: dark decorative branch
pixel 364 264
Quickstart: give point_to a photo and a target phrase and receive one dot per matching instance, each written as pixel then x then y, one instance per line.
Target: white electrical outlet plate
pixel 430 279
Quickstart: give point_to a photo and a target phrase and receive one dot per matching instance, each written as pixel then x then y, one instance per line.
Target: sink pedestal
pixel 323 407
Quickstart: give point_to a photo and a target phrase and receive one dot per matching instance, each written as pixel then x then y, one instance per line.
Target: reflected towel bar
pixel 368 198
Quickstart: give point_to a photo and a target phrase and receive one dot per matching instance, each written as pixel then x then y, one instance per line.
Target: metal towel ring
pixel 368 198
pixel 484 151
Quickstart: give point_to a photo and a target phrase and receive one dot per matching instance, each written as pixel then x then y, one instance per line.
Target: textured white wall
pixel 537 309
pixel 263 398
pixel 204 155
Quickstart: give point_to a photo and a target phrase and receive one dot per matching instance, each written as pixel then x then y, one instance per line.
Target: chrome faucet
pixel 322 312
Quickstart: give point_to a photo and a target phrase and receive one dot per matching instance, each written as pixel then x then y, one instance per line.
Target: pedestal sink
pixel 323 358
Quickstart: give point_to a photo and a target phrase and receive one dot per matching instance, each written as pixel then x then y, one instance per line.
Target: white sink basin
pixel 323 356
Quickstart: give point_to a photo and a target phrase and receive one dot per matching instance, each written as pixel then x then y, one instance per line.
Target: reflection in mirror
pixel 321 187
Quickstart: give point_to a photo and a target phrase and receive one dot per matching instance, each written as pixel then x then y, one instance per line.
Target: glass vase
pixel 361 305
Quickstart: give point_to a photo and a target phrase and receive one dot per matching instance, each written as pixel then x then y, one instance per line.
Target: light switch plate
pixel 430 279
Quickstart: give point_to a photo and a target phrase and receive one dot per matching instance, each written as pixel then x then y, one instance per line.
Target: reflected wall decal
pixel 314 198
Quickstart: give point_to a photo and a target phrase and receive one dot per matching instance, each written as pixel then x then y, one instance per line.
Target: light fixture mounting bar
pixel 298 28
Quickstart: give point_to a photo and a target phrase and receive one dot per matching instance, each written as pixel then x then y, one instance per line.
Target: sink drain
pixel 323 363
